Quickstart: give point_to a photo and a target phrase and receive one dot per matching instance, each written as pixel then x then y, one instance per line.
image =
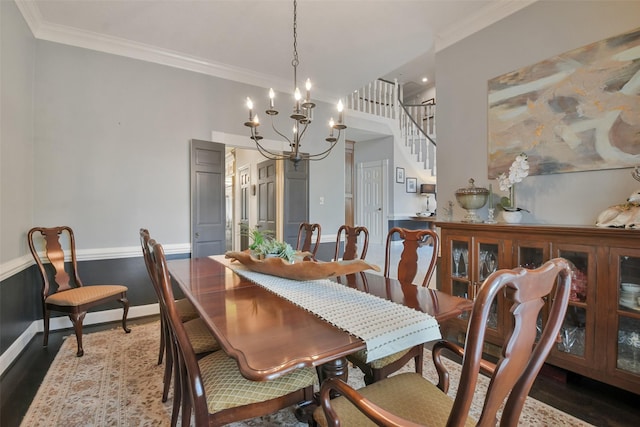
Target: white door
pixel 372 209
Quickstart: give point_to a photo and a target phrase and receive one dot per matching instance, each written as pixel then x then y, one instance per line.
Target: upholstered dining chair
pixel 350 247
pixel 309 238
pixel 409 399
pixel 62 290
pixel 412 240
pixel 212 387
pixel 202 340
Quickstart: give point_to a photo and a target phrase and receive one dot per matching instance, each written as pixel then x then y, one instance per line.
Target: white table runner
pixel 384 326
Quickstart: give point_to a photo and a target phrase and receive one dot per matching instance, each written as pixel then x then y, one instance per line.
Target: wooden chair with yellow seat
pixel 199 336
pixel 408 399
pixel 62 290
pixel 350 247
pixel 213 387
pixel 309 238
pixel 412 240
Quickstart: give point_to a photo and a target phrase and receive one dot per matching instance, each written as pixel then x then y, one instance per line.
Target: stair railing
pixel 420 144
pixel 383 98
pixel 378 98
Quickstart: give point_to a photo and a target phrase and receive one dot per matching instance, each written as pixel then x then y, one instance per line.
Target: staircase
pixel 416 123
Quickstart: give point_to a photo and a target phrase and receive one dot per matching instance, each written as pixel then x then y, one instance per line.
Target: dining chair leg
pixel 77 319
pixel 162 343
pixel 186 409
pixel 177 396
pixel 419 360
pixel 45 318
pixel 125 310
pixel 168 368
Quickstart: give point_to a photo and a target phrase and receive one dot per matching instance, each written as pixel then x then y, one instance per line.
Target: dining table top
pixel 270 336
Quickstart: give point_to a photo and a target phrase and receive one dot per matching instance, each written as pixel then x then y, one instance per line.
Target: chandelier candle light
pixel 302 116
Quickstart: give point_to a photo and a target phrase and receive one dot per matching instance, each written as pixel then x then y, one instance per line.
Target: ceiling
pixel 342 45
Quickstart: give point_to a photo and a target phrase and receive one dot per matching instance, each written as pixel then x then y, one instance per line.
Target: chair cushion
pixel 201 339
pixel 84 294
pixel 407 395
pixel 378 363
pixel 186 310
pixel 226 388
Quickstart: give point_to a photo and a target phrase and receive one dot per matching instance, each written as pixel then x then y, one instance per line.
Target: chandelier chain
pixel 295 60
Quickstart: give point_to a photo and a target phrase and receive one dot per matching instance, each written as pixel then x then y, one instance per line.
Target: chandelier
pixel 302 116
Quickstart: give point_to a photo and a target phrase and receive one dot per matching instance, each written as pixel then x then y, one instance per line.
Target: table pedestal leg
pixel 336 368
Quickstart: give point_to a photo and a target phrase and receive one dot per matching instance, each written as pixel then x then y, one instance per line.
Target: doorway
pixel 244 184
pixel 372 198
pixel 208 218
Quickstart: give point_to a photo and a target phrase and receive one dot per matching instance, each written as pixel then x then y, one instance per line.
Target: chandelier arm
pixel 263 150
pixel 273 126
pixel 301 134
pixel 269 154
pixel 320 156
pixel 326 152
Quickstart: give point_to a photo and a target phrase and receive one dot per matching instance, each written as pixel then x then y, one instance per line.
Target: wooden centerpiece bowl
pixel 303 270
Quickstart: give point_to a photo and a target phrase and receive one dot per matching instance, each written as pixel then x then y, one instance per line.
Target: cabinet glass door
pixel 487 264
pixel 577 331
pixel 627 299
pixel 531 254
pixel 488 256
pixel 460 269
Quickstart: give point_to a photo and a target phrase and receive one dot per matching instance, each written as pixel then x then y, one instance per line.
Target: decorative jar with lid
pixel 472 198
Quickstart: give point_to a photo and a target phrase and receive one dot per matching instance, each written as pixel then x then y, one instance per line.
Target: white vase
pixel 512 217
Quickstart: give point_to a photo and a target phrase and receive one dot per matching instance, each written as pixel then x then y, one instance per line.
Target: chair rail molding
pixel 16 265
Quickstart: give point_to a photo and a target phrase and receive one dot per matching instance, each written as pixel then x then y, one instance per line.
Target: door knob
pixel 197 235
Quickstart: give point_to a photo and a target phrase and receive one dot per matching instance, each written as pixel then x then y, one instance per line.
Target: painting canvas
pixel 577 111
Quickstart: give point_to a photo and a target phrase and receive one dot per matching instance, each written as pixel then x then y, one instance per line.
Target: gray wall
pixel 16 132
pixel 542 30
pixel 103 122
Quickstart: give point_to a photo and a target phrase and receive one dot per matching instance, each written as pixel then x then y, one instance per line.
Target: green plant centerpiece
pixel 264 245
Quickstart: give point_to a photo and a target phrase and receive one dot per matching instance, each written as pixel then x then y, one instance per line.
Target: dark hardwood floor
pixel 594 402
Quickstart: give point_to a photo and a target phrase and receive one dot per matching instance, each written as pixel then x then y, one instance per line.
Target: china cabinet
pixel 600 337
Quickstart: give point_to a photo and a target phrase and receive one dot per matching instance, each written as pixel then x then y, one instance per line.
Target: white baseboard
pixel 57 323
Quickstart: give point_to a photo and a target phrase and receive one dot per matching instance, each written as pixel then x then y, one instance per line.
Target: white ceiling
pixel 342 45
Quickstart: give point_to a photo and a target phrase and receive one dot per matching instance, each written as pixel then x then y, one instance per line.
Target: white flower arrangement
pixel 518 171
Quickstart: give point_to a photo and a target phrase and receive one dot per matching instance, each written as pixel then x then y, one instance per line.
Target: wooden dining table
pixel 270 336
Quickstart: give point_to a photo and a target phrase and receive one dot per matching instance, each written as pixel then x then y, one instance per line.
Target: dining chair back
pixel 62 289
pixel 195 327
pixel 412 241
pixel 164 349
pixel 212 387
pixel 542 293
pixel 350 247
pixel 309 238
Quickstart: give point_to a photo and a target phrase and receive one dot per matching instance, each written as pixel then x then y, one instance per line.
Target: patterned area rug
pixel 117 383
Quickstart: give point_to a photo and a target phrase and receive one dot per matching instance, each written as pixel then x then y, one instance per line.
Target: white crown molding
pixel 16 265
pixel 487 16
pixel 44 30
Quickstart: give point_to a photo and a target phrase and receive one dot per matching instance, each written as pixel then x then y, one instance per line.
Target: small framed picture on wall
pixel 412 185
pixel 400 175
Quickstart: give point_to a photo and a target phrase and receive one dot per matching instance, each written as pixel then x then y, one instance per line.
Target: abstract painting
pixel 577 111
